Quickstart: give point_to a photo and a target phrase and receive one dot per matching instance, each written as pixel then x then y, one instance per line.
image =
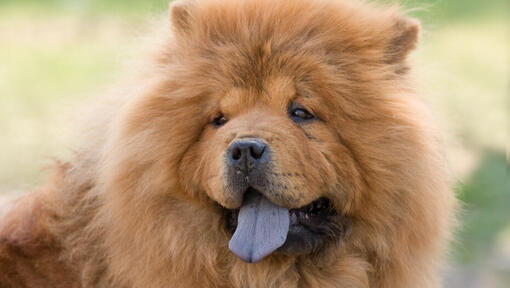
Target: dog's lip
pixel 311 208
pixel 304 218
pixel 311 227
pixel 314 209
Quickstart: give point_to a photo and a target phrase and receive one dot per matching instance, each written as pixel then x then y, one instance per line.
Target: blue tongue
pixel 262 228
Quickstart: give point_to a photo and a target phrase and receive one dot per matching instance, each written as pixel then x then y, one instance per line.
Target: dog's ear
pixel 405 36
pixel 180 15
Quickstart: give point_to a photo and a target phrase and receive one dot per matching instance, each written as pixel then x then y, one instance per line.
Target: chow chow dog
pixel 263 144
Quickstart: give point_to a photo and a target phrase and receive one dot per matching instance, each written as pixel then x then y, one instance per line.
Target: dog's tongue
pixel 262 228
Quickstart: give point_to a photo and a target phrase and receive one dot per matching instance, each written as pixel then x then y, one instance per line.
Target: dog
pixel 263 144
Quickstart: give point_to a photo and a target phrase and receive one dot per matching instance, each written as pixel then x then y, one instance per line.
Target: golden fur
pixel 138 204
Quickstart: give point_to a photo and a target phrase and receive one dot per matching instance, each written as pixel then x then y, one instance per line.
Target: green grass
pixel 49 65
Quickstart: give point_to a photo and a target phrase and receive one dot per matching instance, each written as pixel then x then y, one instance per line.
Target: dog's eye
pixel 298 113
pixel 219 121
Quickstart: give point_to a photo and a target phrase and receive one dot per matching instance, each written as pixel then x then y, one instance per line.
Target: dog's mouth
pixel 261 227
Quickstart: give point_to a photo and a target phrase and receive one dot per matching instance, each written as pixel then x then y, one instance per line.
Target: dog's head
pixel 294 117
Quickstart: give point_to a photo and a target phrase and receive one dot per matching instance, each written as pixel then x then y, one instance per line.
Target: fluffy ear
pixel 405 38
pixel 180 15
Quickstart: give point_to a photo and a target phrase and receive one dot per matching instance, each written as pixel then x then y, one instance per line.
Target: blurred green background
pixel 56 54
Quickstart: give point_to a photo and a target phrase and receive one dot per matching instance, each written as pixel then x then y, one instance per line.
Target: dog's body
pixel 314 97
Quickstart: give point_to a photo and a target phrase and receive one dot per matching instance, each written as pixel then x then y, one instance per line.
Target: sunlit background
pixel 55 55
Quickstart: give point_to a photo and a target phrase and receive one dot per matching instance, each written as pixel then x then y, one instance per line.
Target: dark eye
pixel 219 121
pixel 298 113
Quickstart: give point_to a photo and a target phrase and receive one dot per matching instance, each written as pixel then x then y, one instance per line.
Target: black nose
pixel 247 154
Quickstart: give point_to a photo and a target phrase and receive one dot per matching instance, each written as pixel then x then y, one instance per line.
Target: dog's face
pixel 281 117
pixel 276 141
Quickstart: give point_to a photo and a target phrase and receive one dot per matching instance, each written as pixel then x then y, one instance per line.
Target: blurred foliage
pixel 112 7
pixel 486 200
pixel 457 10
pixel 425 9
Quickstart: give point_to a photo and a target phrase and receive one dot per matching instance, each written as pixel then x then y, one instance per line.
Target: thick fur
pixel 140 205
